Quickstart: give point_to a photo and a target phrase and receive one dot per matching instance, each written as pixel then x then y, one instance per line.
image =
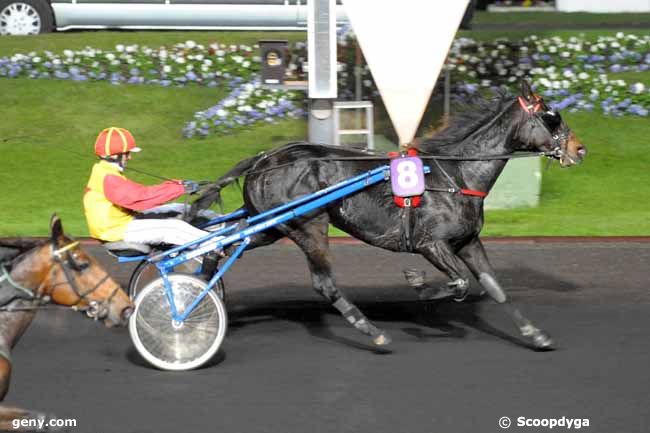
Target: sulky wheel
pixel 173 346
pixel 146 272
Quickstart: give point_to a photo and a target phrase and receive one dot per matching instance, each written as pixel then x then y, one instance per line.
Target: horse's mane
pixel 468 117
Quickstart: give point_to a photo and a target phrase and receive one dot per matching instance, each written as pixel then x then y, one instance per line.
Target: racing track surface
pixel 289 364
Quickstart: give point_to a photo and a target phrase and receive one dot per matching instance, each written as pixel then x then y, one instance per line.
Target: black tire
pixel 41 8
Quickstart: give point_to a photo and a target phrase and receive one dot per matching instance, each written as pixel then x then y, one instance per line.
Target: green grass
pixel 42 122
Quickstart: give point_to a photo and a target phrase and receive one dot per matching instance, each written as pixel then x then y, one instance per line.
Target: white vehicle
pixel 26 17
pixel 30 17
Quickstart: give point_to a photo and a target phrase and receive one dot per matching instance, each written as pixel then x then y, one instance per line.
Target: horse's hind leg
pixel 474 256
pixel 440 255
pixel 312 239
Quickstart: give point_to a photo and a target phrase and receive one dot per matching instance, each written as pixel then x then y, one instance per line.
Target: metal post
pixel 321 35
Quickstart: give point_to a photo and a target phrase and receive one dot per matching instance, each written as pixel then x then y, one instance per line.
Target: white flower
pixel 246 64
pixel 180 60
pixel 620 35
pixel 568 73
pixel 229 102
pixel 205 68
pixel 199 57
pixel 163 54
pixel 637 88
pixel 207 62
pixel 583 75
pixel 545 82
pixel 56 62
pixel 110 56
pixel 131 48
pixel 220 53
pixel 68 53
pixel 119 48
pixel 36 60
pixel 565 54
pixel 190 44
pixel 552 49
pixel 222 113
pixel 167 69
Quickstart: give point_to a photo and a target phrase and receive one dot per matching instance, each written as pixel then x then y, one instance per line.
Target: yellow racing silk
pixel 106 221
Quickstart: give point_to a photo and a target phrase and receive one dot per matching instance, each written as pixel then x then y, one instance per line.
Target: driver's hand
pixel 190 186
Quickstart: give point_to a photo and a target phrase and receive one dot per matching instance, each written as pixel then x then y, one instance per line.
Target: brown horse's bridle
pixel 94 309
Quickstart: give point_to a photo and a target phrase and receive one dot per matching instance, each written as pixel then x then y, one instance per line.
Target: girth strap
pixel 406 227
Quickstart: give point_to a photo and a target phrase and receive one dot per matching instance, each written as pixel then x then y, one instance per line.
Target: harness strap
pixel 6 277
pixel 473 193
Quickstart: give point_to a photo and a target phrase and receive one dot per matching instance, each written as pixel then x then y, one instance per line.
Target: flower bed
pixel 573 74
pixel 246 104
pixel 180 64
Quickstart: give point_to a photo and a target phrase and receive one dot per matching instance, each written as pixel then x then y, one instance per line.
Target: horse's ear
pixel 56 229
pixel 526 90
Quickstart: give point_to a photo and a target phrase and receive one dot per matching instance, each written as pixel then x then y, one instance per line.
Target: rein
pixel 425 157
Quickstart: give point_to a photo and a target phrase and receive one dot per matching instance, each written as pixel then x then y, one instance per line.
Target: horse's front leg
pixel 474 256
pixel 440 255
pixel 11 418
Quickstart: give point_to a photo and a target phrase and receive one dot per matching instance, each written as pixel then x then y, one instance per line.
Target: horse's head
pixel 76 279
pixel 543 129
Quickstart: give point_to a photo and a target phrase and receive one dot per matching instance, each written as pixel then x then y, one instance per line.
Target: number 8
pixel 407 176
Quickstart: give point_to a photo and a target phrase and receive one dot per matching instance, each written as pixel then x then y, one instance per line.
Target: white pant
pixel 161 231
pixel 152 231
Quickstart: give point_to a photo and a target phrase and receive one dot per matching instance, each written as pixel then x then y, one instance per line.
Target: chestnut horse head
pixel 61 271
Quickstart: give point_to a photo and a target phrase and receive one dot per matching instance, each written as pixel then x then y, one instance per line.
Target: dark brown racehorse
pixel 34 273
pixel 466 160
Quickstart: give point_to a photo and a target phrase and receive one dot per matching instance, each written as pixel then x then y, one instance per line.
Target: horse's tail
pixel 212 192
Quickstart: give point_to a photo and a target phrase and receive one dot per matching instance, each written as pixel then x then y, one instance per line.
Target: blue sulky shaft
pixel 309 204
pixel 284 213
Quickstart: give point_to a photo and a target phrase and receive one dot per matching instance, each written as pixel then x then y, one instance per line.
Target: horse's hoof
pixel 460 297
pixel 382 339
pixel 542 341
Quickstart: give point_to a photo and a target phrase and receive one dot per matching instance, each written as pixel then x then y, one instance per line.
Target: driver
pixel 117 208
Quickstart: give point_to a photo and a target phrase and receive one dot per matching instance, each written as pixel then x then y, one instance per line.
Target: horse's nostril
pixel 126 313
pixel 582 152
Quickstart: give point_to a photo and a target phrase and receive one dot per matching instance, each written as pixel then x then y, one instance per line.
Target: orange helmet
pixel 113 141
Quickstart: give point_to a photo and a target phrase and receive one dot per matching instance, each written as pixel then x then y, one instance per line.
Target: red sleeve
pixel 135 196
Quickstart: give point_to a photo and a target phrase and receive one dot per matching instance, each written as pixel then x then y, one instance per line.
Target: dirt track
pixel 289 364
